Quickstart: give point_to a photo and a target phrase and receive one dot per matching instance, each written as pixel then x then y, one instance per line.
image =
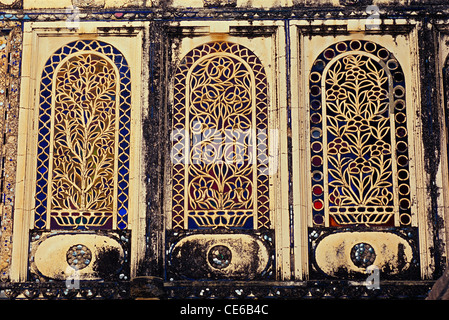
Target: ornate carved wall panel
pixel 220 199
pixel 359 137
pixel 82 165
pixel 220 163
pixel 84 132
pixel 305 146
pixel 360 177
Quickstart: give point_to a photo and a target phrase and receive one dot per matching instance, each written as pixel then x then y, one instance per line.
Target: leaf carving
pixel 83 97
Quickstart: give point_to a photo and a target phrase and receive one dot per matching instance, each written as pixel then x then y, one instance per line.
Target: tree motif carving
pixel 84 140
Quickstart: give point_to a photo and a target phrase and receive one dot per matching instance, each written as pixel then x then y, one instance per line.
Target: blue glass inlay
pixel 40 224
pixel 123 184
pixel 123 157
pixel 124 144
pixel 46 81
pixel 45 118
pixel 43 144
pixel 40 210
pixel 41 196
pixel 121 225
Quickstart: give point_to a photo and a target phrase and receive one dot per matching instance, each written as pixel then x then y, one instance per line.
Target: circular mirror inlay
pixel 79 256
pixel 219 256
pixel 363 255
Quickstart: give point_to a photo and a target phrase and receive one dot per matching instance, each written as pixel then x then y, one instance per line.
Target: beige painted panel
pixel 249 256
pixel 35 4
pixel 443 172
pixel 188 3
pixel 333 253
pixel 50 254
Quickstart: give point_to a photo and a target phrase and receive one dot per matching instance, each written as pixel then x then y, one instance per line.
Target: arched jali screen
pixel 359 144
pixel 84 139
pixel 220 172
pixel 220 141
pixel 359 136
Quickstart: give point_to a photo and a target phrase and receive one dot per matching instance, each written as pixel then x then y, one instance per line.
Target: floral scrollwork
pixel 84 141
pixel 358 126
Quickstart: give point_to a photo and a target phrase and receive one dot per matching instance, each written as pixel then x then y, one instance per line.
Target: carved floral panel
pixel 220 140
pixel 84 139
pixel 359 137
